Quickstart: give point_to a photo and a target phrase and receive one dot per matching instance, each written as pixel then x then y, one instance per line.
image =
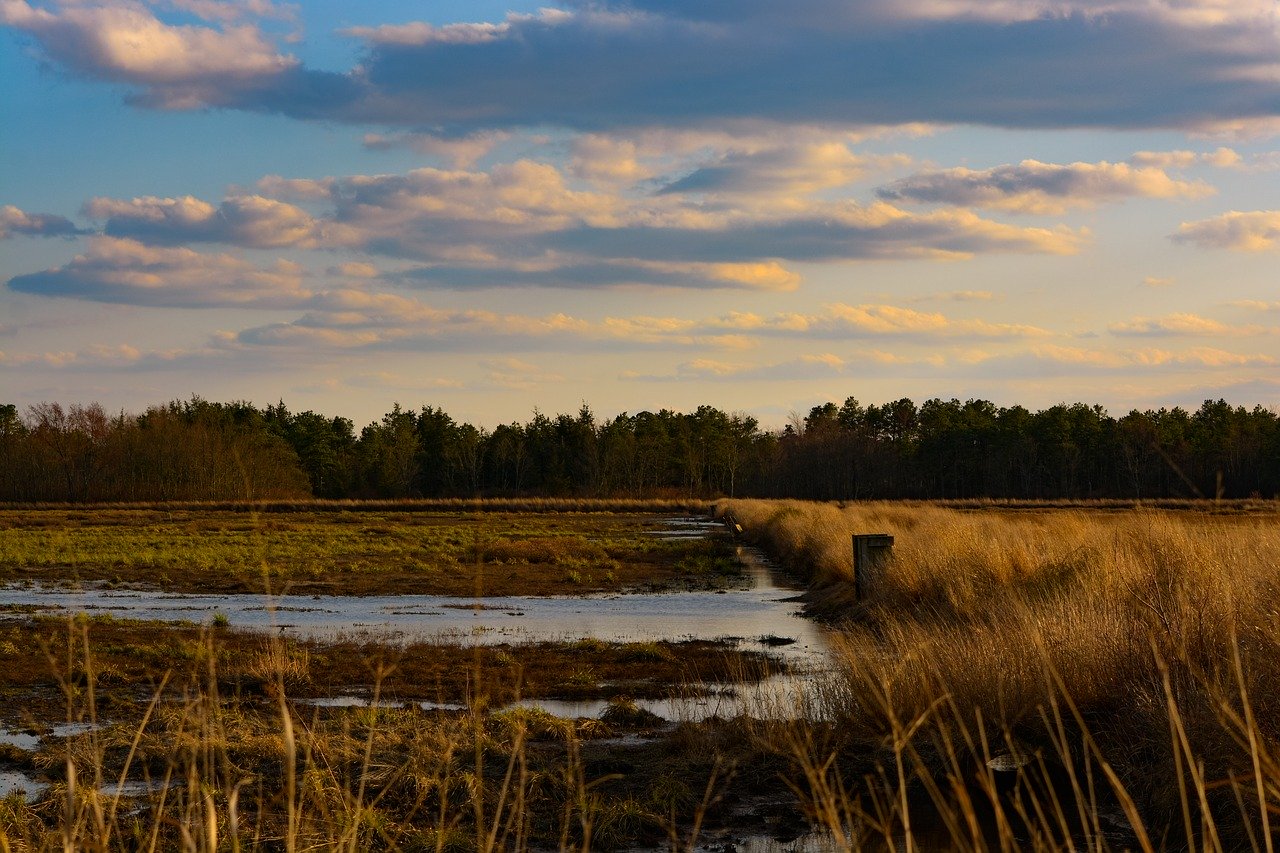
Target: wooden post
pixel 871 551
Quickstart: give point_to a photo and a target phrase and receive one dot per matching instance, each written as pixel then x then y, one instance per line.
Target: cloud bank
pixel 655 63
pixel 526 224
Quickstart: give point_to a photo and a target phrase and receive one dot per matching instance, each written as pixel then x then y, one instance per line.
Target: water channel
pixel 762 613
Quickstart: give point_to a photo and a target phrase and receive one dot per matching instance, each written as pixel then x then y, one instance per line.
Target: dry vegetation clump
pixel 1048 679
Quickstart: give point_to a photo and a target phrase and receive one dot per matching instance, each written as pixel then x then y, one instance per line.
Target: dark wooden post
pixel 871 551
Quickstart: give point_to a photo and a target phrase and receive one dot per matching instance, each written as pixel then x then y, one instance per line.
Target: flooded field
pixel 759 608
pixel 716 634
pixel 761 613
pixel 632 681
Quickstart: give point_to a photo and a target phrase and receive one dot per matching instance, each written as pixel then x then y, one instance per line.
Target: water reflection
pixel 13 782
pixel 763 615
pixel 780 697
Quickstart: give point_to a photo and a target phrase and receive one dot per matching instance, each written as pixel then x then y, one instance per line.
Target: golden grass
pixel 1130 661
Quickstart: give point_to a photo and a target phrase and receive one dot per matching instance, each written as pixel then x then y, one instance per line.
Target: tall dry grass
pixel 203 765
pixel 201 771
pixel 1124 667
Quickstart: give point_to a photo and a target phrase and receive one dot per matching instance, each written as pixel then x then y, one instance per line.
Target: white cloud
pixel 233 10
pixel 248 220
pixel 526 224
pixel 14 220
pixel 1221 158
pixel 389 381
pixel 418 33
pixel 958 296
pixel 1252 231
pixel 1042 188
pixel 1183 325
pixel 1190 13
pixel 1239 128
pixel 1256 305
pixel 355 269
pixel 1266 162
pixel 109 357
pixel 782 171
pixel 129 272
pixel 350 319
pixel 517 374
pixel 705 63
pixel 183 66
pixel 861 321
pixel 710 370
pixel 607 159
pixel 1068 360
pixel 460 152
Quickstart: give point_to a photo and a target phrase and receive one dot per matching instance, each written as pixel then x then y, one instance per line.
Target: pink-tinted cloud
pixel 14 221
pixel 248 220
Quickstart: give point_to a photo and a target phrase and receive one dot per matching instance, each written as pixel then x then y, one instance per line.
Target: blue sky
pixel 762 206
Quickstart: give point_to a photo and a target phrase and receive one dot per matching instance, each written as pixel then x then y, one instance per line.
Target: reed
pixel 1122 667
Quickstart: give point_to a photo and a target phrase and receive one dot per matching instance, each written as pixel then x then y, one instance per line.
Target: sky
pixel 759 205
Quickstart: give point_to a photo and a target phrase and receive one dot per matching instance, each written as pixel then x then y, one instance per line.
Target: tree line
pixel 941 449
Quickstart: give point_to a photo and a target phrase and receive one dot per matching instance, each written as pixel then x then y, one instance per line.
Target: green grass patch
pixel 360 553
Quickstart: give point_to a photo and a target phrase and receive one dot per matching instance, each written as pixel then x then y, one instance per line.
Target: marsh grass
pixel 192 765
pixel 357 549
pixel 429 505
pixel 1122 669
pixel 130 655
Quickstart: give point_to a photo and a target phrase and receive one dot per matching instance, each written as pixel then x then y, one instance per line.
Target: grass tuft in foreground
pixel 197 739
